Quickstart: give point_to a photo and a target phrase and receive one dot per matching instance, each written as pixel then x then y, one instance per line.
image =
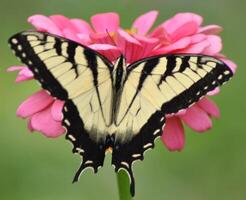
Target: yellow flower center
pixel 132 31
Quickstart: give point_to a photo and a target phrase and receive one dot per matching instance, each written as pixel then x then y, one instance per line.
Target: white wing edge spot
pixel 19 47
pixel 89 162
pixel 14 41
pixel 125 164
pixel 72 138
pixel 220 77
pixel 156 131
pixel 79 150
pixel 147 145
pixel 227 72
pixel 136 155
pixel 67 122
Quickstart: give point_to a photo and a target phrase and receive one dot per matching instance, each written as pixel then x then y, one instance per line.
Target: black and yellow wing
pixel 95 118
pixel 153 88
pixel 80 77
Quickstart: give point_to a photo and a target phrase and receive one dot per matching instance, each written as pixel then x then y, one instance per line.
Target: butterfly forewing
pixel 162 80
pixel 79 76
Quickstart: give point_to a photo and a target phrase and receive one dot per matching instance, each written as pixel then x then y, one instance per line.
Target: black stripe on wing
pixel 171 63
pixel 218 76
pixel 25 52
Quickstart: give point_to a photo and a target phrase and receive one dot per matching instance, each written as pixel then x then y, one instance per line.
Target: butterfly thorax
pixel 119 72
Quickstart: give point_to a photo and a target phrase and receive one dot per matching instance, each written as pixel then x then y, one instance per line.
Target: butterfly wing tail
pixel 93 153
pixel 125 154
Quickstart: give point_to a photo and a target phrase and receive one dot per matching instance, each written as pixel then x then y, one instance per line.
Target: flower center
pixel 132 31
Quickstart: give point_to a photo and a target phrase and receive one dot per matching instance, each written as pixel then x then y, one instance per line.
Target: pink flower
pixel 23 75
pixel 182 33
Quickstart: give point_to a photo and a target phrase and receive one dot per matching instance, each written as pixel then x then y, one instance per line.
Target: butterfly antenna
pixel 113 41
pixel 111 38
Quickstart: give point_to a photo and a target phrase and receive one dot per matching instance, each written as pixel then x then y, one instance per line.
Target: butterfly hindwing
pixel 80 77
pixel 93 153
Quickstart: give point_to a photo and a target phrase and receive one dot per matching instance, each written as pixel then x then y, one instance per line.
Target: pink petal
pixel 180 112
pixel 127 37
pixel 35 103
pixel 197 119
pixel 26 72
pixel 23 75
pixel 109 51
pixel 180 44
pixel 198 38
pixel 63 22
pixel 43 121
pixel 196 48
pixel 56 110
pixel 82 26
pixel 215 45
pixel 15 68
pixel 173 134
pixel 209 107
pixel 182 24
pixel 102 38
pixel 43 23
pixel 135 47
pixel 105 22
pixel 214 92
pixel 21 78
pixel 161 34
pixel 71 35
pixel 231 64
pixel 210 30
pixel 144 22
pixel 103 47
pixel 129 46
pixel 148 45
pixel 84 38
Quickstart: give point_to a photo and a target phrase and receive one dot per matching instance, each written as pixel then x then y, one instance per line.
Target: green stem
pixel 123 186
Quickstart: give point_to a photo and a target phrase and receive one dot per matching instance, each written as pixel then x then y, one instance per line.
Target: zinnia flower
pixel 182 33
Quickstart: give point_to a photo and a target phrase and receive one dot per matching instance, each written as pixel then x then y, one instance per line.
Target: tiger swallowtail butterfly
pixel 114 105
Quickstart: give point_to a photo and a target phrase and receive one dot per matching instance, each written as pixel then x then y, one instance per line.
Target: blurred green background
pixel 212 165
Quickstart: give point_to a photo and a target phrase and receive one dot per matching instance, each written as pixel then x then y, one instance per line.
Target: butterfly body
pixel 115 106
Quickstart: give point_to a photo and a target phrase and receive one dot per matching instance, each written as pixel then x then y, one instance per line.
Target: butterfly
pixel 114 106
